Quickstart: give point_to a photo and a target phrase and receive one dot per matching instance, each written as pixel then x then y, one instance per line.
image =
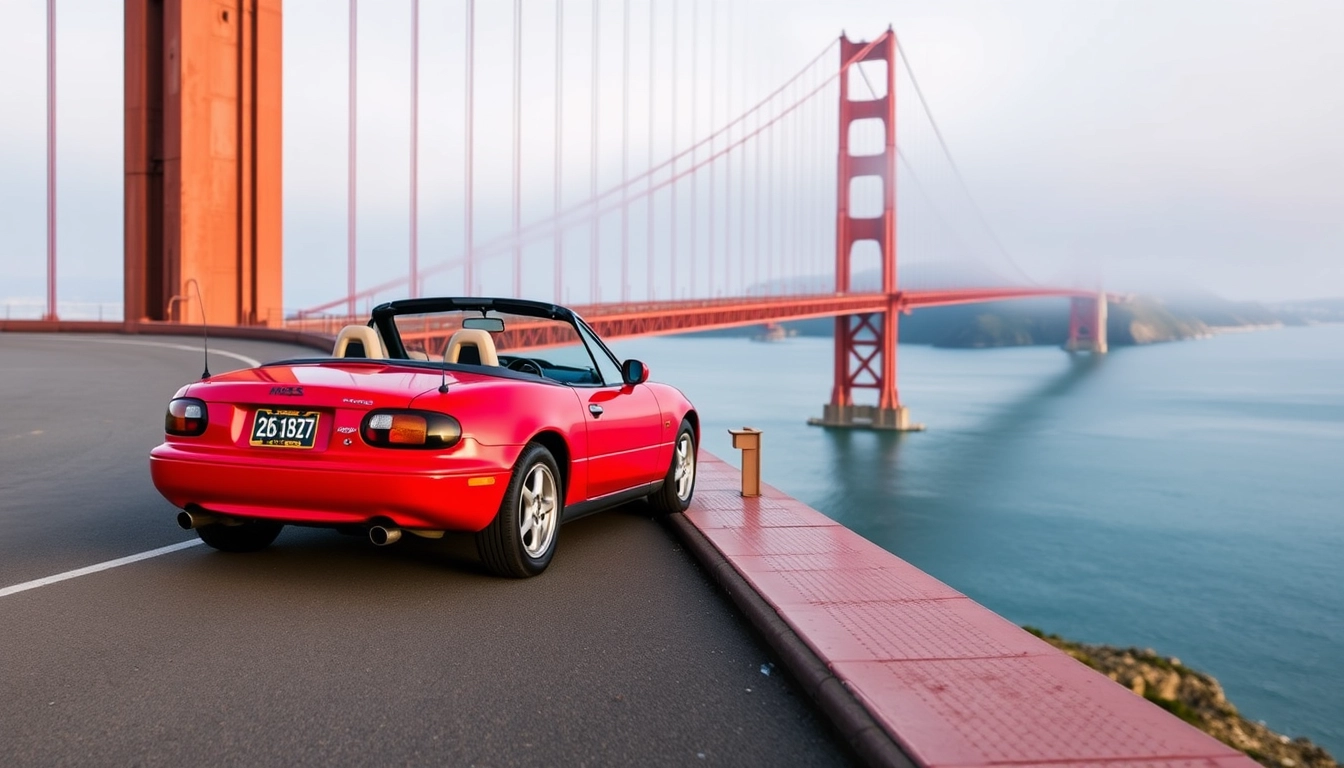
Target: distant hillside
pixel 1312 311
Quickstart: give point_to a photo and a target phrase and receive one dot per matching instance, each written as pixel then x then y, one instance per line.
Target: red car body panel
pixel 342 480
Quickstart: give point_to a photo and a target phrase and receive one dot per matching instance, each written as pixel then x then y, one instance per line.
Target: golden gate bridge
pixel 798 202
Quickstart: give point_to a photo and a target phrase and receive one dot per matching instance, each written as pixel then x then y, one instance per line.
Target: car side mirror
pixel 634 372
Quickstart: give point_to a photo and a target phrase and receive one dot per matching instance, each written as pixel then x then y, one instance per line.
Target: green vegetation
pixel 1177 708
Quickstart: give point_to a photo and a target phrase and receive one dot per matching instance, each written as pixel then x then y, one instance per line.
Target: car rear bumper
pixel 312 493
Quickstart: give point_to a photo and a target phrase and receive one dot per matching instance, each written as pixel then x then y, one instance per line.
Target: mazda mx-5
pixel 498 417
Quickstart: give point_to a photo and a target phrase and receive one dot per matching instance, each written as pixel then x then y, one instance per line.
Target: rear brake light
pixel 410 429
pixel 186 417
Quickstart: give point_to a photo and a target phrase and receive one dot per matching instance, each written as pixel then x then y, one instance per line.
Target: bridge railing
pixel 36 309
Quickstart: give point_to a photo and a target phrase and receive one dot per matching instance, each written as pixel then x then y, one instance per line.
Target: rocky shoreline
pixel 1196 698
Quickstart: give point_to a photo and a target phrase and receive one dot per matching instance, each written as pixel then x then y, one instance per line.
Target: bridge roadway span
pixel 324 649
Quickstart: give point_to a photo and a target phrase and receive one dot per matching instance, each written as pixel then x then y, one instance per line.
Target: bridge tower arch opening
pixel 865 345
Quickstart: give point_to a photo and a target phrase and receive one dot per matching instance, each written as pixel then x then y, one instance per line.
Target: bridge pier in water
pixel 1087 324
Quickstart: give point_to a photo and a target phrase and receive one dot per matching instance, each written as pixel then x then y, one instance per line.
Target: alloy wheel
pixel 684 475
pixel 537 505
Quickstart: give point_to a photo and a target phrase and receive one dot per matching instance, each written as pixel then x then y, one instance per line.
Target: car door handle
pixel 596 410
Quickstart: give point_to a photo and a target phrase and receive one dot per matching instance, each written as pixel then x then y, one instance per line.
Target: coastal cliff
pixel 1194 697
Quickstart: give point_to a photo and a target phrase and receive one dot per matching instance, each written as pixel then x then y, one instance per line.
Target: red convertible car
pixel 522 421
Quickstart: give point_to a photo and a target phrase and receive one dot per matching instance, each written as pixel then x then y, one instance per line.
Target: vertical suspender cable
pixel 757 193
pixel 796 174
pixel 803 230
pixel 695 103
pixel 51 166
pixel 806 146
pixel 814 162
pixel 468 207
pixel 713 81
pixel 648 216
pixel 728 162
pixel 802 179
pixel 825 223
pixel 742 192
pixel 625 152
pixel 794 183
pixel 769 207
pixel 415 146
pixel 786 128
pixel 559 241
pixel 593 288
pixel 792 193
pixel 799 169
pixel 351 160
pixel 819 171
pixel 672 262
pixel 517 146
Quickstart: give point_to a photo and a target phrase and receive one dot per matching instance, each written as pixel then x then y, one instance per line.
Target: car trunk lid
pixel 362 385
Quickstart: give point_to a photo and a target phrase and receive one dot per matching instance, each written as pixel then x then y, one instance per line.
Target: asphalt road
pixel 324 649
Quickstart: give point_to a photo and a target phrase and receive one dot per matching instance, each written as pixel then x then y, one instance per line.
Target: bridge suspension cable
pixel 597 204
pixel 925 263
pixel 952 164
pixel 779 243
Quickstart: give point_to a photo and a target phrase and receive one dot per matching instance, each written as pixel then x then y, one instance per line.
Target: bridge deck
pixel 952 682
pixel 325 650
pixel 392 653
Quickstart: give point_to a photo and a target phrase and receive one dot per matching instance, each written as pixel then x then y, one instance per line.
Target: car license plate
pixel 284 429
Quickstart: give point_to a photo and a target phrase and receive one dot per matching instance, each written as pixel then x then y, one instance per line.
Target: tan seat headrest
pixel 363 336
pixel 472 337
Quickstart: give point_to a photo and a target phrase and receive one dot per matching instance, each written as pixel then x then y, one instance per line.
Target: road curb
pixel 869 740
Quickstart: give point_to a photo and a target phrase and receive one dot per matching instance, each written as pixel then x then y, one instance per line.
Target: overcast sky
pixel 1163 143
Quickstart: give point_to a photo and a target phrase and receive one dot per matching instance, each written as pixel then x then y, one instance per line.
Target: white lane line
pixel 85 571
pixel 249 361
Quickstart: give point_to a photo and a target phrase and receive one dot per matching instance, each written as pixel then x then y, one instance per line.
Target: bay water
pixel 1186 497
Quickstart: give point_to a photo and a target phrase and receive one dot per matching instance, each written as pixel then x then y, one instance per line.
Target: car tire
pixel 520 541
pixel 250 536
pixel 679 482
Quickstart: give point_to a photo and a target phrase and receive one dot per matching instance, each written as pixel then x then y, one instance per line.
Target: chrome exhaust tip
pixel 189 519
pixel 384 535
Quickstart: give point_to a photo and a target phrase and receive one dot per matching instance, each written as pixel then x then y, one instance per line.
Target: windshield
pixel 542 346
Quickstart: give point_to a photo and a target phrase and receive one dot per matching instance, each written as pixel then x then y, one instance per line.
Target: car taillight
pixel 186 417
pixel 410 429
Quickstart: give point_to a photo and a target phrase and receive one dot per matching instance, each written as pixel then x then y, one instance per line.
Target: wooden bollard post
pixel 748 441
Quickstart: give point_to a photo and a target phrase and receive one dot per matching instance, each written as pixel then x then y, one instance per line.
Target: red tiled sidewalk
pixel 952 682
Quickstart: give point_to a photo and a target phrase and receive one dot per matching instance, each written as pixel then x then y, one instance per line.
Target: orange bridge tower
pixel 203 161
pixel 865 345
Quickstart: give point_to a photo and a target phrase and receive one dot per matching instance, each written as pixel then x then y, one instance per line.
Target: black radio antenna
pixel 205 335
